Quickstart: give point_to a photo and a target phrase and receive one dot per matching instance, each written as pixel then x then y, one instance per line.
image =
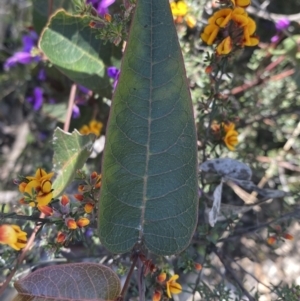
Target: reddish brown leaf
pixel 70 282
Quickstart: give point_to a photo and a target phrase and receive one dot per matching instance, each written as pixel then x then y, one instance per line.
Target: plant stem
pixel 127 281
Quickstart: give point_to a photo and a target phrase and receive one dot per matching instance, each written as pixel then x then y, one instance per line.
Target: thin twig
pixel 127 281
pixel 294 214
pixel 232 273
pixel 70 107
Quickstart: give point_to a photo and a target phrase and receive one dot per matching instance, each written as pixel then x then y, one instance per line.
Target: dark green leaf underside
pixel 149 189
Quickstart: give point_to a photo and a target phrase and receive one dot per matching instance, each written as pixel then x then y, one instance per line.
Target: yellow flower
pixel 210 33
pixel 173 287
pixel 13 236
pixel 241 3
pixel 179 9
pixel 94 127
pixel 38 188
pixel 190 21
pixel 231 136
pixel 84 130
pixel 224 47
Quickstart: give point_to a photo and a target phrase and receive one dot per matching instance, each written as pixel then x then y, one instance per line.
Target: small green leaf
pixel 70 153
pixel 74 282
pixel 70 44
pixel 149 190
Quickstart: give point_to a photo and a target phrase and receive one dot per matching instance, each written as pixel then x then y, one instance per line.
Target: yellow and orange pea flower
pixel 241 32
pixel 173 287
pixel 94 127
pixel 231 136
pixel 38 188
pixel 13 236
pixel 241 3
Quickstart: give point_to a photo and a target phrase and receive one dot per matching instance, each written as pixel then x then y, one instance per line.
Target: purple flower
pixel 282 24
pixel 42 75
pixel 275 38
pixel 75 111
pixel 113 72
pixel 24 57
pixel 83 89
pixel 29 41
pixel 20 57
pixel 101 5
pixel 36 99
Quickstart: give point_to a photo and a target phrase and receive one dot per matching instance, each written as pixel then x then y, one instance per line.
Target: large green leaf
pixel 72 282
pixel 40 13
pixel 70 153
pixel 149 189
pixel 70 44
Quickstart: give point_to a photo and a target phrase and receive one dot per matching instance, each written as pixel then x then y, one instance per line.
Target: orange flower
pixel 161 277
pixel 82 222
pixel 71 224
pixel 173 287
pixel 13 236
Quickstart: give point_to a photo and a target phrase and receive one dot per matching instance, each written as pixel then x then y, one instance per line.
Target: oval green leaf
pixel 70 44
pixel 70 154
pixel 149 189
pixel 74 282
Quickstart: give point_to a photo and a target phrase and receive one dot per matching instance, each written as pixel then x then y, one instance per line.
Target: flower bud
pixel 161 277
pixel 88 207
pixel 61 237
pixel 71 224
pixel 82 222
pixel 79 197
